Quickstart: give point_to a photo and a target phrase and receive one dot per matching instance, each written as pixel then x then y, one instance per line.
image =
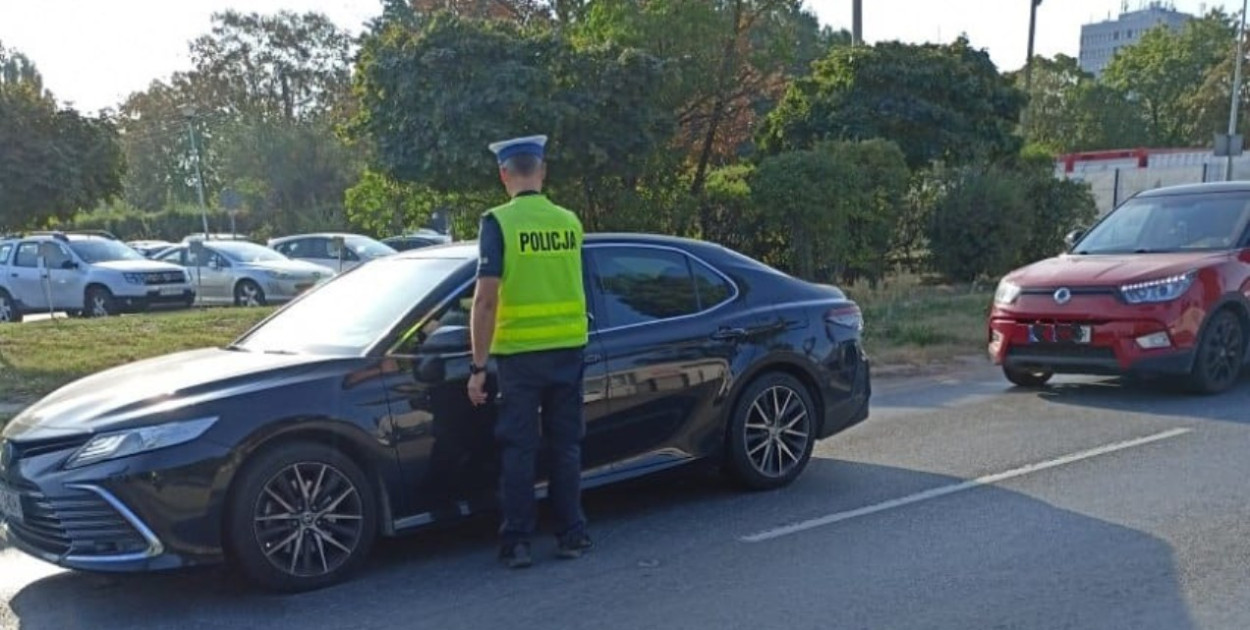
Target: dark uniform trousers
pixel 544 386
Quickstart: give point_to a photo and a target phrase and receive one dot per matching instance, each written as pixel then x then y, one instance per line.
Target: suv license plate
pixel 10 506
pixel 1060 333
pixel 171 291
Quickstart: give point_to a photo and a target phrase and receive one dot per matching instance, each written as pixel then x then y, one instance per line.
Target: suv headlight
pixel 134 278
pixel 1161 290
pixel 1006 293
pixel 108 446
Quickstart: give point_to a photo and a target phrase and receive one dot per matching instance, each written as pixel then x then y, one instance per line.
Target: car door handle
pixel 592 358
pixel 729 334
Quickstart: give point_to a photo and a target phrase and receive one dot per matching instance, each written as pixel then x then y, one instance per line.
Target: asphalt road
pixel 960 504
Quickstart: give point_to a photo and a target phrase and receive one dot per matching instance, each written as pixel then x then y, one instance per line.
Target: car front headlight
pixel 1161 290
pixel 280 275
pixel 1006 293
pixel 108 446
pixel 134 278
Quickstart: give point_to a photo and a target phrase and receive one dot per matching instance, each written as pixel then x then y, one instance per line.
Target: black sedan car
pixel 343 416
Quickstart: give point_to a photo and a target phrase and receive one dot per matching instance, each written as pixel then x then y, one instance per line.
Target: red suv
pixel 1159 286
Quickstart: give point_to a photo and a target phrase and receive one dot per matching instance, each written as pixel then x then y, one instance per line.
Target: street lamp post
pixel 1235 104
pixel 857 22
pixel 189 113
pixel 1028 60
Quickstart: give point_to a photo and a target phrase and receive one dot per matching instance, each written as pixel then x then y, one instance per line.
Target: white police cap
pixel 532 145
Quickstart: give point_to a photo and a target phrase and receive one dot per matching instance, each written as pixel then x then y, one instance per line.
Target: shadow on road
pixel 669 555
pixel 1159 397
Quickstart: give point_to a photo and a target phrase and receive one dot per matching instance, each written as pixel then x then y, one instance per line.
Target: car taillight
pixel 848 316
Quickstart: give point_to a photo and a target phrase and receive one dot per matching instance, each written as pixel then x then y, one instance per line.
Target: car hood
pixel 1109 270
pixel 150 390
pixel 137 265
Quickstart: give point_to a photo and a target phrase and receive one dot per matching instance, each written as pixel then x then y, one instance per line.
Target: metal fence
pixel 1113 185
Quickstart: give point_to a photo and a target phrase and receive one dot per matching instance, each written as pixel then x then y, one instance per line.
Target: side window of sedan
pixel 176 256
pixel 452 319
pixel 641 285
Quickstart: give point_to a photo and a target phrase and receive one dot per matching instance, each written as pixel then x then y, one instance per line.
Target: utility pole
pixel 1028 62
pixel 857 22
pixel 189 113
pixel 1236 98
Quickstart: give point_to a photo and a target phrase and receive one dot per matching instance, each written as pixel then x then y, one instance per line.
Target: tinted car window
pixel 712 287
pixel 641 284
pixel 174 256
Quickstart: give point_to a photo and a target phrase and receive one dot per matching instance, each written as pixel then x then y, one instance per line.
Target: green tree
pixel 938 102
pixel 979 224
pixel 435 93
pixel 1163 75
pixel 53 161
pixel 1069 110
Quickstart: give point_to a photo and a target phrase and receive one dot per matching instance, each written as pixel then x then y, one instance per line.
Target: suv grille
pixel 165 277
pixel 81 523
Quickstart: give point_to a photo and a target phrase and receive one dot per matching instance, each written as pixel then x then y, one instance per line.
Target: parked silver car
pixel 244 274
pixel 320 249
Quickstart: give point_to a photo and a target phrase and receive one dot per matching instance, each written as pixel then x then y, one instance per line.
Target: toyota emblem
pixel 1063 295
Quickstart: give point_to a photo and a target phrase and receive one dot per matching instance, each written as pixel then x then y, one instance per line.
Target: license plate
pixel 1060 333
pixel 171 291
pixel 10 506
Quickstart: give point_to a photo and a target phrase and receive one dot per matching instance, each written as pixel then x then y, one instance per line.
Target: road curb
pixel 911 370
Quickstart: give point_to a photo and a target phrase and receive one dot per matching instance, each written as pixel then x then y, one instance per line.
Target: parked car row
pixel 92 273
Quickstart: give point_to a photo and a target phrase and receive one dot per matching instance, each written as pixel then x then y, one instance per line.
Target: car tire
pixel 1032 379
pixel 1220 354
pixel 772 431
pixel 248 293
pixel 99 302
pixel 294 545
pixel 8 309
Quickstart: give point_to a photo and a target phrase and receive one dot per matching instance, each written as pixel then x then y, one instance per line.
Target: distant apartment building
pixel 1101 40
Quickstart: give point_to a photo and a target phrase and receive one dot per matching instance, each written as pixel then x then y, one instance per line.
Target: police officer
pixel 529 312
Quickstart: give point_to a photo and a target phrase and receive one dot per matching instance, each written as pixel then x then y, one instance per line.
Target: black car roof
pixel 1188 189
pixel 468 249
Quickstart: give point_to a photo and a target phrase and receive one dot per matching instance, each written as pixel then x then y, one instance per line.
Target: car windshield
pixel 351 312
pixel 242 251
pixel 1171 223
pixel 366 247
pixel 97 250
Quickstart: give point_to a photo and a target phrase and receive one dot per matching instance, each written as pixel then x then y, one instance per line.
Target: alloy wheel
pixel 778 428
pixel 99 305
pixel 249 295
pixel 309 519
pixel 6 309
pixel 1222 353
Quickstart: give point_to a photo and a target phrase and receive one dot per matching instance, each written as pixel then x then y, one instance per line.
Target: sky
pixel 93 53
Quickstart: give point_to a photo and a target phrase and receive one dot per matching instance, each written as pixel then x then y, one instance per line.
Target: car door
pixel 66 277
pixel 669 336
pixel 218 276
pixel 26 277
pixel 445 444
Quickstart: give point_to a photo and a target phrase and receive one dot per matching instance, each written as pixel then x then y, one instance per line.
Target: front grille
pixel 23 450
pixel 164 277
pixel 1061 351
pixel 81 523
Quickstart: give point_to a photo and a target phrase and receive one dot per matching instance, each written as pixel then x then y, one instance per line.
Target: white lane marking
pixel 958 487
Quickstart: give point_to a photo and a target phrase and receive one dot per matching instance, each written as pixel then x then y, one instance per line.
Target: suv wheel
pixel 99 303
pixel 1221 352
pixel 8 310
pixel 1031 379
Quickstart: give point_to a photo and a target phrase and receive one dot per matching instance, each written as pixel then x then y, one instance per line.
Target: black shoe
pixel 570 547
pixel 516 555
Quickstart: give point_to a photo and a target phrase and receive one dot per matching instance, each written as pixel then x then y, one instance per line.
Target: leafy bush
pixel 979 225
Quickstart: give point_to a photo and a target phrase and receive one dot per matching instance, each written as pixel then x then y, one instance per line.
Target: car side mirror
pixel 1072 237
pixel 69 264
pixel 447 339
